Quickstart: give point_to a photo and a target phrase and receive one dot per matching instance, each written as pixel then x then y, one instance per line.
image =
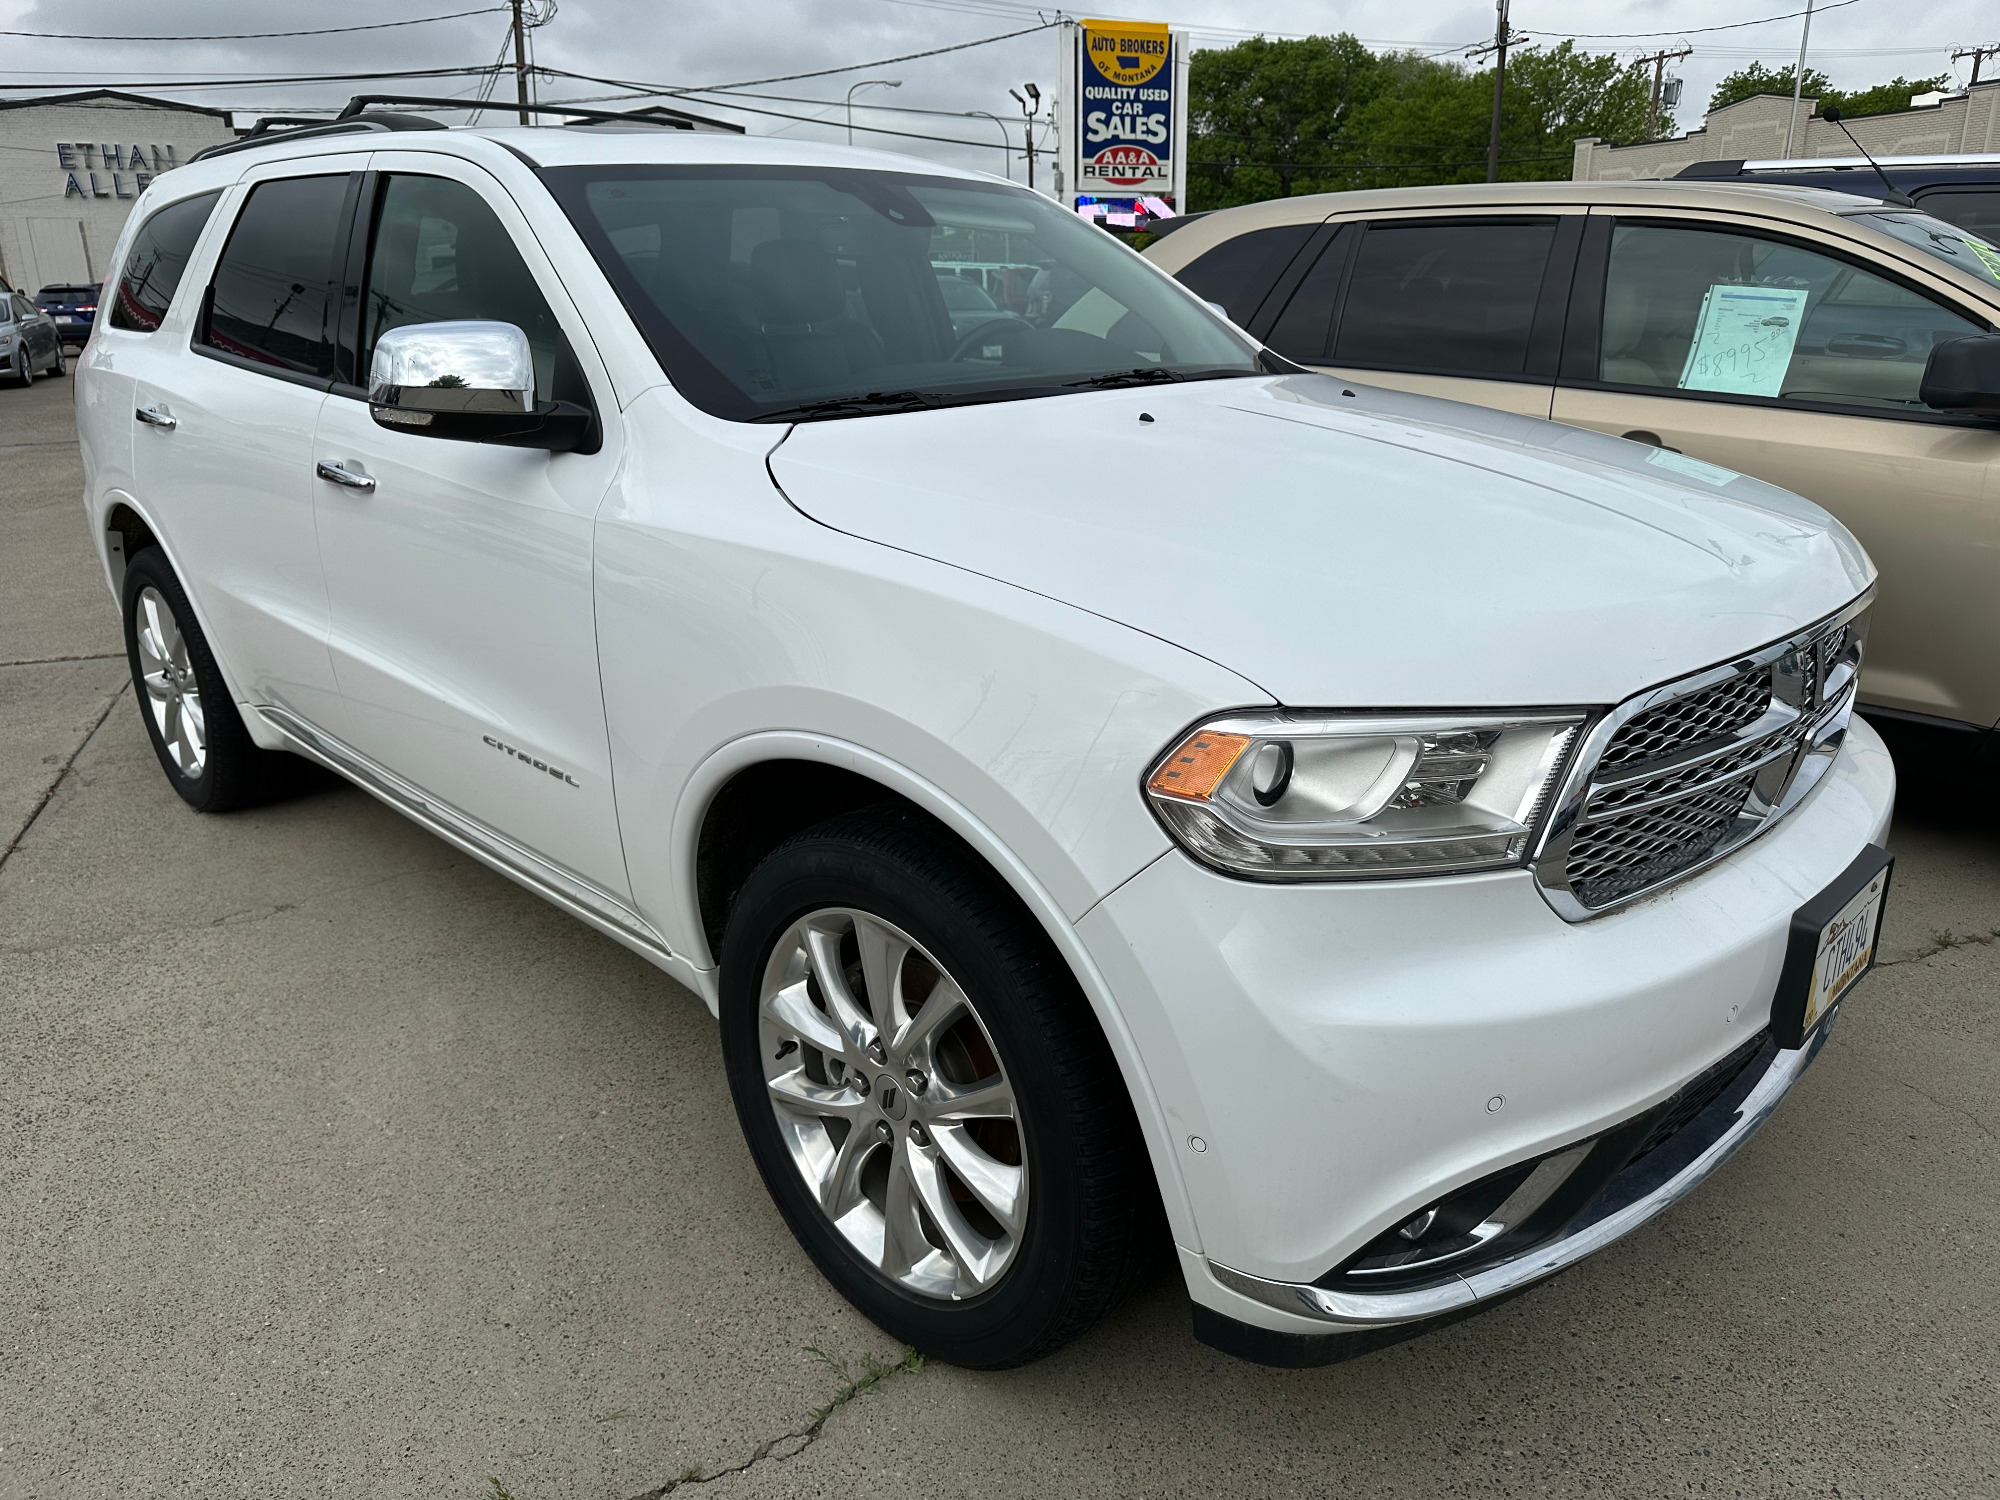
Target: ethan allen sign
pixel 111 171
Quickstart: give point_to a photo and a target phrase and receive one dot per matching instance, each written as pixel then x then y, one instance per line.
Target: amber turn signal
pixel 1198 764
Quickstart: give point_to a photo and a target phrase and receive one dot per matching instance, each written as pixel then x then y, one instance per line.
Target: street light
pixel 866 83
pixel 1006 151
pixel 1028 107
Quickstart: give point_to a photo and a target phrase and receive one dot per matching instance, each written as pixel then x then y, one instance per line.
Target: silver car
pixel 30 343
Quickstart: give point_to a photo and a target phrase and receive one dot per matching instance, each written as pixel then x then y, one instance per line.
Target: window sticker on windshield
pixel 1986 253
pixel 1693 468
pixel 1743 340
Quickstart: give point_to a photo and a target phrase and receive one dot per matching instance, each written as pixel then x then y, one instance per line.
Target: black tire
pixel 24 367
pixel 61 367
pixel 1093 1210
pixel 235 772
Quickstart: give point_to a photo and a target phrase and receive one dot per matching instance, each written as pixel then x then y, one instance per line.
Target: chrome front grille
pixel 1671 781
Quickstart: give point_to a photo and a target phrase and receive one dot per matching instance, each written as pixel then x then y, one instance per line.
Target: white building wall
pixel 69 174
pixel 1754 129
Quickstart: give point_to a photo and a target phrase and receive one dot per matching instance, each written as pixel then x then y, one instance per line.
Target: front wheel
pixel 24 367
pixel 926 1093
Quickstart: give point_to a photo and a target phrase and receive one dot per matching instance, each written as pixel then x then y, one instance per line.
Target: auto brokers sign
pixel 1124 110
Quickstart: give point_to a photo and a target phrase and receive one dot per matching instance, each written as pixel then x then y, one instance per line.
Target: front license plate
pixel 1833 943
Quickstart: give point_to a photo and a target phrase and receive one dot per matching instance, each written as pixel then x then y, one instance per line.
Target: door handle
pixel 154 416
pixel 350 479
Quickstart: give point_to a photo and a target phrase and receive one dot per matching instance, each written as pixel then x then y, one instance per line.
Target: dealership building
pixel 70 167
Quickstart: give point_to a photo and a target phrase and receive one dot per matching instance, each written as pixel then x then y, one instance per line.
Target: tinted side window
pixel 440 254
pixel 274 292
pixel 159 255
pixel 1237 273
pixel 1976 209
pixel 1734 314
pixel 1456 297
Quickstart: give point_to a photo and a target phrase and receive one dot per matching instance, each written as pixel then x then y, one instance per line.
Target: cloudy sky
pixel 685 45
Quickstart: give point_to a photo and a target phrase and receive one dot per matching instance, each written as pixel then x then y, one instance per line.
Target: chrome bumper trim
pixel 1731 1126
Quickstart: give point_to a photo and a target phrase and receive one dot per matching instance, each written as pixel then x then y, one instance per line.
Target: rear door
pixel 1743 344
pixel 222 428
pixel 1465 306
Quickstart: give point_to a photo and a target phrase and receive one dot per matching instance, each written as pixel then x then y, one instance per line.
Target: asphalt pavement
pixel 334 1164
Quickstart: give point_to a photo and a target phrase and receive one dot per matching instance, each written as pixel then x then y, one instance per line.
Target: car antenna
pixel 1832 115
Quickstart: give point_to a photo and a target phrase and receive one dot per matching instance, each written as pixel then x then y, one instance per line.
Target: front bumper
pixel 1331 1058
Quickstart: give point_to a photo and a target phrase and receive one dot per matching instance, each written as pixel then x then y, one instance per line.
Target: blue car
pixel 73 307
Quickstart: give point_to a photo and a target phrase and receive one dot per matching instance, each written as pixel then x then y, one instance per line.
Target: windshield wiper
pixel 873 403
pixel 1143 375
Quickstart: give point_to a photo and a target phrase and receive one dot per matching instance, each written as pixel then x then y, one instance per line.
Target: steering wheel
pixel 992 331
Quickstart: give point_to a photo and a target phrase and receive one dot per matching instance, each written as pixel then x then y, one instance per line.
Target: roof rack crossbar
pixel 654 115
pixel 263 133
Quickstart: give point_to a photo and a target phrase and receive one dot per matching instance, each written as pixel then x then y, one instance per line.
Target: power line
pixel 232 83
pixel 1602 36
pixel 250 36
pixel 880 62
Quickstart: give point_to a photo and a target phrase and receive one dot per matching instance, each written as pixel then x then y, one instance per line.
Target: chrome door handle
pixel 152 416
pixel 345 478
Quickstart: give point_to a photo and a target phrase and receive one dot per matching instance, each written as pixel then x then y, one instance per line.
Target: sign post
pixel 1123 121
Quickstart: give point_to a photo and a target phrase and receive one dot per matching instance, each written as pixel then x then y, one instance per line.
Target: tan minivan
pixel 1780 331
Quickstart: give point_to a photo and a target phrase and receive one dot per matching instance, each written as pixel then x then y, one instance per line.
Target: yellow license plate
pixel 1846 948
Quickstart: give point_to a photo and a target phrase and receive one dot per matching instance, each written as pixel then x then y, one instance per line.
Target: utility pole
pixel 1028 107
pixel 1978 56
pixel 1659 60
pixel 1503 38
pixel 1798 79
pixel 520 62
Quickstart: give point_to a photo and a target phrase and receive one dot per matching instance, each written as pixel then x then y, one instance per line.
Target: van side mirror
pixel 1963 375
pixel 473 382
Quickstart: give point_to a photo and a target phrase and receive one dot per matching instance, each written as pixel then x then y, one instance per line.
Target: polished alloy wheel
pixel 171 691
pixel 892 1103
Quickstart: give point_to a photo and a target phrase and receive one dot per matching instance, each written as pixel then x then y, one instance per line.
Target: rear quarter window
pixel 1236 274
pixel 157 260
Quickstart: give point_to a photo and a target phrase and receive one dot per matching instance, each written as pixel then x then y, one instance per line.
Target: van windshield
pixel 1958 247
pixel 796 294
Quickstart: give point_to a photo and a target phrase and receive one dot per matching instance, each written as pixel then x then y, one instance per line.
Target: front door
pixel 463 628
pixel 222 433
pixel 1801 366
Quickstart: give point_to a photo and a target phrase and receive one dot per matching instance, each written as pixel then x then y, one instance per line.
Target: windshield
pixel 1961 248
pixel 783 293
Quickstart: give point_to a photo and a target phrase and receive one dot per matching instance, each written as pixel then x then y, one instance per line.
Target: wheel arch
pixel 853 776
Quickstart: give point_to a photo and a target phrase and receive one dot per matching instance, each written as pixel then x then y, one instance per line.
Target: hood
pixel 1342 545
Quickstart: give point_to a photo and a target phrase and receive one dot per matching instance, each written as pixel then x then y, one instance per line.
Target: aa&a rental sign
pixel 1125 112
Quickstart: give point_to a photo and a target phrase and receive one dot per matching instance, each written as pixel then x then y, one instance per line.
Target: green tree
pixel 1274 119
pixel 1882 99
pixel 1267 117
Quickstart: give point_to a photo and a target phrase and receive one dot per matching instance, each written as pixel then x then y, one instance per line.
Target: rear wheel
pixel 60 367
pixel 190 717
pixel 927 1095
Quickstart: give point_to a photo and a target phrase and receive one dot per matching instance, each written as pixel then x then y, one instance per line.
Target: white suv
pixel 1096 772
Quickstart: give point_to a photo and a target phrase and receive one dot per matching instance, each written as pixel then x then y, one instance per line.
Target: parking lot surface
pixel 336 1165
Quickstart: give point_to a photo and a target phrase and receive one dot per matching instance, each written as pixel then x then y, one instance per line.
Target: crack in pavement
pixel 1956 1109
pixel 775 1450
pixel 1944 942
pixel 49 661
pixel 62 772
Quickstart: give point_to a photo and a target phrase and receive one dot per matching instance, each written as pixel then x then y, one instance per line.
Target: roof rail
pixel 275 126
pixel 658 115
pixel 1836 163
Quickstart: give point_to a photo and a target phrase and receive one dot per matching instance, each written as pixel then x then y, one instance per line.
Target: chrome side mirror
pixel 424 368
pixel 474 382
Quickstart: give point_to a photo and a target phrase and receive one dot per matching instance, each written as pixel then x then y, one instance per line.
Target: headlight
pixel 1300 796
